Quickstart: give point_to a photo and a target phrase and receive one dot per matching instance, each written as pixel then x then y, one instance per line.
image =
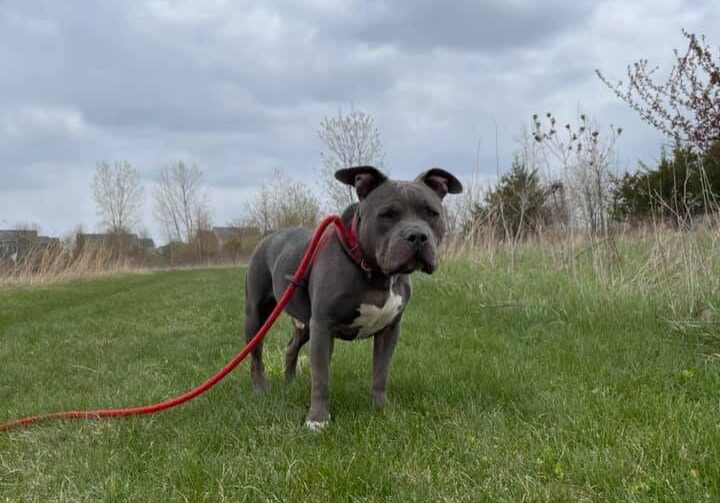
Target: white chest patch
pixel 374 318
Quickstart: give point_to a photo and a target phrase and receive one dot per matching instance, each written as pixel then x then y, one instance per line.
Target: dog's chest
pixel 374 316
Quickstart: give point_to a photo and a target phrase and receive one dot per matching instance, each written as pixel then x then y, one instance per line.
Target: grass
pixel 505 387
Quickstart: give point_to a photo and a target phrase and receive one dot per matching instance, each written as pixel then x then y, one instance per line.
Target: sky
pixel 239 88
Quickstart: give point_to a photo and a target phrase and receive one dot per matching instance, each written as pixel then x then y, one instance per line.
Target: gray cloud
pixel 239 88
pixel 465 25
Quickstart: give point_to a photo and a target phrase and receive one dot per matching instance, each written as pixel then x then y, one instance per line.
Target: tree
pixel 685 106
pixel 682 186
pixel 118 196
pixel 181 203
pixel 349 140
pixel 283 203
pixel 518 205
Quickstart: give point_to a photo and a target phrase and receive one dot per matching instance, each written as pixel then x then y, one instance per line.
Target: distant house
pixel 14 244
pixel 47 241
pixel 147 245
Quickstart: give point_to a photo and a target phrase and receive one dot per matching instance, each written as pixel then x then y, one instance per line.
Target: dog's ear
pixel 440 181
pixel 365 179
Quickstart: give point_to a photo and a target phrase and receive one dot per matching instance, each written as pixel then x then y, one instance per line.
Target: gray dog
pixel 358 285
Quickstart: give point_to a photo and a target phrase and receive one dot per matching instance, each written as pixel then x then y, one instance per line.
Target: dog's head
pixel 401 223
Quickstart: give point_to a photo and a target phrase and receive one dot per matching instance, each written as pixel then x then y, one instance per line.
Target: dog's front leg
pixel 383 346
pixel 321 346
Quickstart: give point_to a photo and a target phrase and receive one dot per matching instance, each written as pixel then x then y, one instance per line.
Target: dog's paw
pixel 379 399
pixel 316 426
pixel 259 386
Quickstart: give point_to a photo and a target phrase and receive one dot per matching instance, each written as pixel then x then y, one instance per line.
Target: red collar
pixel 349 241
pixel 348 238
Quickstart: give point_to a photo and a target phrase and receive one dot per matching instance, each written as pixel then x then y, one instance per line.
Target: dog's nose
pixel 417 238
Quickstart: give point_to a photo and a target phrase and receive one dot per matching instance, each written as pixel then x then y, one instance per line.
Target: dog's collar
pixel 347 236
pixel 350 244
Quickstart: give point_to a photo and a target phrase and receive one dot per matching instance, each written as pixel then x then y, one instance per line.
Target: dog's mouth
pixel 406 260
pixel 407 268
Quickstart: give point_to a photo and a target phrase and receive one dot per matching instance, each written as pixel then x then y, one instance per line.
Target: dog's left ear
pixel 365 179
pixel 440 181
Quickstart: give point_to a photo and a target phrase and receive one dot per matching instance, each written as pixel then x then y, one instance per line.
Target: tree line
pixel 181 201
pixel 563 175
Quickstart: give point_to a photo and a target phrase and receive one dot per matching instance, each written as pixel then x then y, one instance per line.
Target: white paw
pixel 316 426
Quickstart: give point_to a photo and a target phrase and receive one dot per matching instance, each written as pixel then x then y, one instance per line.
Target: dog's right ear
pixel 365 179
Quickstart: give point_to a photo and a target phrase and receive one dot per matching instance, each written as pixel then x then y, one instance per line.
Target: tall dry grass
pixel 44 265
pixel 680 264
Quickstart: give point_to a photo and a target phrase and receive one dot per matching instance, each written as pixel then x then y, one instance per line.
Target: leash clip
pixel 365 267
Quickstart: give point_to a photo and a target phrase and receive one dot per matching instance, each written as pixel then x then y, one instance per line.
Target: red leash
pixel 189 395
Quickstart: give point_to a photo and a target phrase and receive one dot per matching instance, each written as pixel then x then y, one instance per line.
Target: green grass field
pixel 522 387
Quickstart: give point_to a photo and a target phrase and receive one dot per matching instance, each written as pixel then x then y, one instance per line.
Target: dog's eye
pixel 431 212
pixel 389 214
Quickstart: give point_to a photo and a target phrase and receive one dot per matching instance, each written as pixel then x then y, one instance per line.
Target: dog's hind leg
pixel 301 335
pixel 259 303
pixel 255 316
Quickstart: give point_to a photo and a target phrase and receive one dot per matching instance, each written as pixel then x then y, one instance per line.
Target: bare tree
pixel 259 212
pixel 586 160
pixel 283 203
pixel 118 196
pixel 349 140
pixel 583 159
pixel 686 106
pixel 181 203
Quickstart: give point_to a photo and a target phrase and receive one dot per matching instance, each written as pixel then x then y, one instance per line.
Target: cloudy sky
pixel 239 88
